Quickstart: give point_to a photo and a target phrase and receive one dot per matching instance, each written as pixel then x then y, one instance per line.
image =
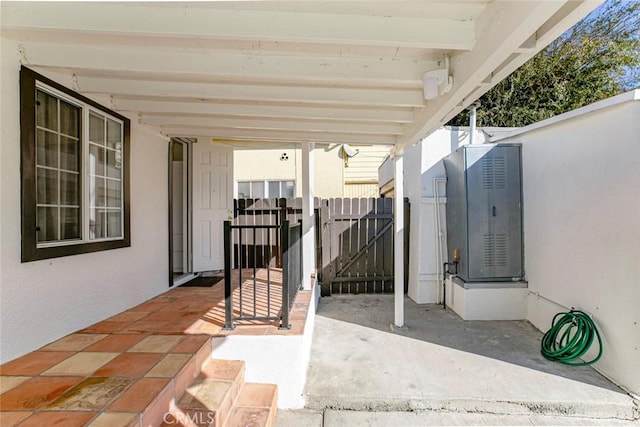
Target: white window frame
pixel 87 174
pixel 84 171
pixel 61 97
pixel 265 186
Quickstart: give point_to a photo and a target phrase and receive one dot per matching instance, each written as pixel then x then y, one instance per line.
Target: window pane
pixel 114 164
pixel 289 189
pixel 96 129
pixel 69 223
pixel 46 111
pixel 257 189
pixel 96 191
pixel 97 224
pixel 69 156
pixel 244 190
pixel 114 226
pixel 47 222
pixel 46 148
pixel 69 119
pixel 114 134
pixel 69 189
pixel 96 160
pixel 47 187
pixel 274 189
pixel 114 193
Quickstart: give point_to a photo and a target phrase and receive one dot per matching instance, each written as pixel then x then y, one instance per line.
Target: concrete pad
pixel 409 419
pixel 298 418
pixel 439 362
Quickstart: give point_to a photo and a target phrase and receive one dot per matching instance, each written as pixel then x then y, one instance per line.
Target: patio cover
pixel 334 71
pixel 295 71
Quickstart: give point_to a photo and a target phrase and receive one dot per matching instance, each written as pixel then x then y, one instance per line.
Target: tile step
pixel 138 390
pixel 256 406
pixel 219 397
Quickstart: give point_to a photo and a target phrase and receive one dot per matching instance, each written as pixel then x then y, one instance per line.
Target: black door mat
pixel 202 282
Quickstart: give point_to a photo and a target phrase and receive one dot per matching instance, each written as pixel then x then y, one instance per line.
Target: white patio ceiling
pixel 337 71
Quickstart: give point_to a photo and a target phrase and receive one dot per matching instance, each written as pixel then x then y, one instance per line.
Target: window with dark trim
pixel 74 172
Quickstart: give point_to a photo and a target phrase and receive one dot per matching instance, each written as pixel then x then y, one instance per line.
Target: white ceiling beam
pixel 267 124
pixel 451 9
pixel 258 68
pixel 194 44
pixel 192 20
pixel 230 66
pixel 506 26
pixel 265 111
pixel 261 93
pixel 277 135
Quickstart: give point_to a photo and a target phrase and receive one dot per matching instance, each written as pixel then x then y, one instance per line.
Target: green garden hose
pixel 570 337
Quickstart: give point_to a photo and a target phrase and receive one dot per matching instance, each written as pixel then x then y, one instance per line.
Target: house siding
pixel 356 190
pixel 363 167
pixel 42 301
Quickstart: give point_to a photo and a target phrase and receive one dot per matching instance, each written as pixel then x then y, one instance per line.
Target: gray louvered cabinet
pixel 484 211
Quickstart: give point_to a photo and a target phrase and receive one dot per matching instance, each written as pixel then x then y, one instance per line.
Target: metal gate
pixel 357 246
pixel 267 212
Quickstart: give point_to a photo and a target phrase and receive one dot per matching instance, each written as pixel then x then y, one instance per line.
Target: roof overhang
pixel 337 71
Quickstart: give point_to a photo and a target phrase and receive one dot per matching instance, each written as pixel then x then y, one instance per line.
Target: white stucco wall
pixel 423 164
pixel 274 359
pixel 581 178
pixel 581 183
pixel 42 301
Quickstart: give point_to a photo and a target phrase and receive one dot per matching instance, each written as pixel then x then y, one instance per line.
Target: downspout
pixel 439 237
pixel 472 121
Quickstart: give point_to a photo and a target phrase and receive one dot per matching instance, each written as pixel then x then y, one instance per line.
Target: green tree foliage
pixel 598 58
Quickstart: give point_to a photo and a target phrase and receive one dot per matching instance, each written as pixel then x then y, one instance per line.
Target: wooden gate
pixel 357 246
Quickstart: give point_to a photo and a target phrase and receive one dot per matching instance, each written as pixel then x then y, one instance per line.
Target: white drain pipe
pixel 440 255
pixel 472 121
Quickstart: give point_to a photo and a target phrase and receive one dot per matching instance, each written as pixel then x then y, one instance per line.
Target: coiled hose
pixel 570 337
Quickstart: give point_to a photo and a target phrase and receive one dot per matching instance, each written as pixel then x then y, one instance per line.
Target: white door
pixel 212 202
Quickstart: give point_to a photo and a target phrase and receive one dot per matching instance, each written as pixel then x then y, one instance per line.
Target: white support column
pixel 308 220
pixel 398 230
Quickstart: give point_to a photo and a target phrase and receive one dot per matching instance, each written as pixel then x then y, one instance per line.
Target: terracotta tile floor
pixel 118 371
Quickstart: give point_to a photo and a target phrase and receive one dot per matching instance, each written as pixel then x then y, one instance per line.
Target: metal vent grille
pixel 499 173
pixel 501 250
pixel 487 173
pixel 495 250
pixel 494 173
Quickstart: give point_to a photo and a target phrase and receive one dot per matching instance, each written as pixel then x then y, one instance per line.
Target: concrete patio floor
pixel 439 362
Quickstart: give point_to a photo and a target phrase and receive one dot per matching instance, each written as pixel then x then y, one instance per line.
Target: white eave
pixel 336 71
